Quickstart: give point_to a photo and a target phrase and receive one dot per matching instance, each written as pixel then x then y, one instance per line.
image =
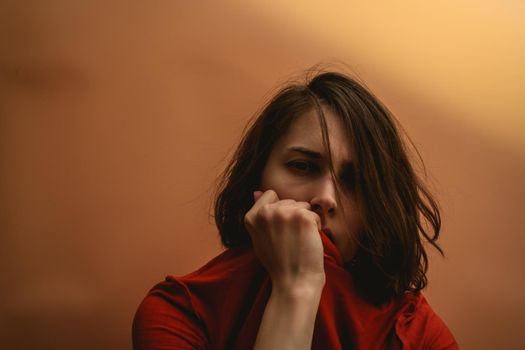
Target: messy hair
pixel 398 211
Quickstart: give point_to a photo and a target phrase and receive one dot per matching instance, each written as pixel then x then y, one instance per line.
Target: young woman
pixel 325 221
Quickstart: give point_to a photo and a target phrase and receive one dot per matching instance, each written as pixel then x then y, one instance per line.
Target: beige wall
pixel 115 118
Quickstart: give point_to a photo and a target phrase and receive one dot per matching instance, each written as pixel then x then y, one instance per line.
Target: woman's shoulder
pixel 236 265
pixel 237 260
pixel 189 304
pixel 418 326
pixel 166 318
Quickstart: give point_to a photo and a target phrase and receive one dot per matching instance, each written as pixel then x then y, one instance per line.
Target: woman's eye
pixel 304 167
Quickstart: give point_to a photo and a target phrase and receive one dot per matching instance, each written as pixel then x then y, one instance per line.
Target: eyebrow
pixel 348 165
pixel 306 152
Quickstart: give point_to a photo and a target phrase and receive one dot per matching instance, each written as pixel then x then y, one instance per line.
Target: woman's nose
pixel 324 200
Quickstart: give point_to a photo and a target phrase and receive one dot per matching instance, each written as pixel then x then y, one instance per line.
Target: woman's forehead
pixel 305 132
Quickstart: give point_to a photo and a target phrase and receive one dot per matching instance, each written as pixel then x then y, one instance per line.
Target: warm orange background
pixel 116 117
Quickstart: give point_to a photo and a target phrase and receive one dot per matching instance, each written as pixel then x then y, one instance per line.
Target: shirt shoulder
pixel 181 312
pixel 419 327
pixel 166 319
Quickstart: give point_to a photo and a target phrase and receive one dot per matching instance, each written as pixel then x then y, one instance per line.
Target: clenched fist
pixel 285 238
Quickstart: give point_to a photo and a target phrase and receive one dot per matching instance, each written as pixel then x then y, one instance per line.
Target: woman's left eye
pixel 302 166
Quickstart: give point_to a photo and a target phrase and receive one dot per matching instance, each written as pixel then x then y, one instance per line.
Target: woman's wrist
pixel 299 289
pixel 289 316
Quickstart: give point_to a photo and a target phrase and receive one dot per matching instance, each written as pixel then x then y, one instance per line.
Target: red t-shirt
pixel 220 306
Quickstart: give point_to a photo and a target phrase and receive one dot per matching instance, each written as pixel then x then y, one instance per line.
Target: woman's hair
pixel 398 211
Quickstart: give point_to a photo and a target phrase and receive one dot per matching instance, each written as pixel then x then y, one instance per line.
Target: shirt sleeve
pixel 421 328
pixel 166 320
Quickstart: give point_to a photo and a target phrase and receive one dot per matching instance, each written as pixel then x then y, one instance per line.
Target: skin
pixel 296 200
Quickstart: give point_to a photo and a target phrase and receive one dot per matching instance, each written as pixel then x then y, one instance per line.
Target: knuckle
pixel 265 212
pixel 310 218
pixel 297 215
pixel 271 193
pixel 282 216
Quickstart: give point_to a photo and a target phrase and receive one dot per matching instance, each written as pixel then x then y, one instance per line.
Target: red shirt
pixel 220 306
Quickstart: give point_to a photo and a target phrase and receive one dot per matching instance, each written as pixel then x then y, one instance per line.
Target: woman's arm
pixel 285 237
pixel 289 318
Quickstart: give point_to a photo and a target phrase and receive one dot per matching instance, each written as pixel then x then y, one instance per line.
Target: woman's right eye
pixel 303 166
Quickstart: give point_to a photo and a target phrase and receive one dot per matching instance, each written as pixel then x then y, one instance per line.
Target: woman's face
pixel 298 169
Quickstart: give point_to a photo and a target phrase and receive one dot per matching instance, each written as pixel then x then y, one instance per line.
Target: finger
pixel 315 217
pixel 284 203
pixel 257 195
pixel 267 197
pixel 300 205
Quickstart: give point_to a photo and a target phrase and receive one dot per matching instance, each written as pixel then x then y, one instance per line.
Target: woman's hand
pixel 285 238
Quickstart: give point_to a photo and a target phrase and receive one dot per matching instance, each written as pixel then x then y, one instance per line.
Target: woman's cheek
pixel 289 192
pixel 284 185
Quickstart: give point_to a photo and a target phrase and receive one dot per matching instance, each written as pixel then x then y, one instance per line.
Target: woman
pixel 324 219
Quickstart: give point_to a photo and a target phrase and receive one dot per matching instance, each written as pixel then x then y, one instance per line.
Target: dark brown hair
pixel 399 211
